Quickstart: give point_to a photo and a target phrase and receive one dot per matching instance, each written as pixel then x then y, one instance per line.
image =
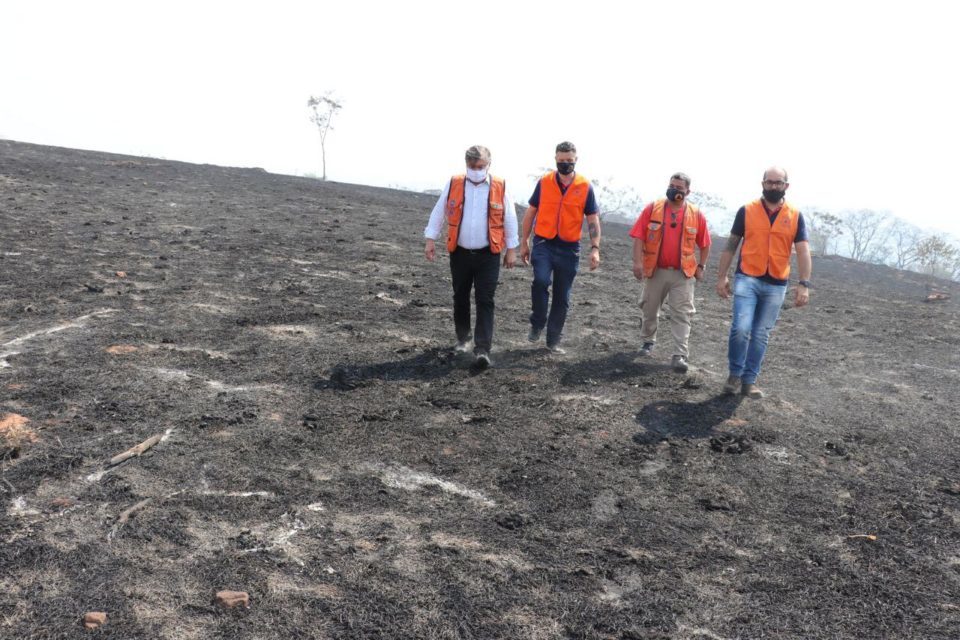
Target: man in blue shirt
pixel 558 206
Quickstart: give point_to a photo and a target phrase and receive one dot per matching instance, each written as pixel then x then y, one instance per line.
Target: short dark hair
pixel 566 146
pixel 478 152
pixel 679 175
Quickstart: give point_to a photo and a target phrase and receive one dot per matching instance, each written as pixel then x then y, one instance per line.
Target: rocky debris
pixel 61 503
pixel 729 443
pixel 232 599
pixel 94 619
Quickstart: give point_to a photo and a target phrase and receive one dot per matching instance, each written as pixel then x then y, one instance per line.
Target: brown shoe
pixel 752 391
pixel 731 386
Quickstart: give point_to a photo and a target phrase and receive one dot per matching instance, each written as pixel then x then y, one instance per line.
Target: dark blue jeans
pixel 556 261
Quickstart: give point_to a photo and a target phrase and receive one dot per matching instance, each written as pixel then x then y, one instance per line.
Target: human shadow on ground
pixel 664 419
pixel 432 364
pixel 612 368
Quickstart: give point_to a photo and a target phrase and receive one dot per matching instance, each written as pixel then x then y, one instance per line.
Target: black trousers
pixel 480 270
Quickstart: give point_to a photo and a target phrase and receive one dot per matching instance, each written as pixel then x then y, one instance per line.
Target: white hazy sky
pixel 859 100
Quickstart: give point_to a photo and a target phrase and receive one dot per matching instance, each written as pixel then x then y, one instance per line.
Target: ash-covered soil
pixel 325 452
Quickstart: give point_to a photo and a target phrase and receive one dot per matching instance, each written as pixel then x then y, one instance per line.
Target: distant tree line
pixel 881 238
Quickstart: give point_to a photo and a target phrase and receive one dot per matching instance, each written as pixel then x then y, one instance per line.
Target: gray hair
pixel 566 146
pixel 478 152
pixel 679 175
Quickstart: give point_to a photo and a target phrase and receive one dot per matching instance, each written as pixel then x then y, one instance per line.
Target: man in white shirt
pixel 481 224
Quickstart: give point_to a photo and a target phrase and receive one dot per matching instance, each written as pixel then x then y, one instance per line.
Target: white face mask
pixel 477 175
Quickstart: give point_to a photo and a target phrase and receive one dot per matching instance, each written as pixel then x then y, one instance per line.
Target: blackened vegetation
pixel 330 456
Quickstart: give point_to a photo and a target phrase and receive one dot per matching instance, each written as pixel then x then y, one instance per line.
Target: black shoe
pixel 482 362
pixel 679 364
pixel 557 349
pixel 462 346
pixel 534 335
pixel 646 349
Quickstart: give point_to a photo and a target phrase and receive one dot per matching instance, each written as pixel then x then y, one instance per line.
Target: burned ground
pixel 324 451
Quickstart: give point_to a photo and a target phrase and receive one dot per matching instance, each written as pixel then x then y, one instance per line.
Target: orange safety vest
pixel 495 211
pixel 767 248
pixel 561 213
pixel 688 239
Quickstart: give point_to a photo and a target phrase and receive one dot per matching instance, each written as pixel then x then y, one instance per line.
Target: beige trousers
pixel 676 289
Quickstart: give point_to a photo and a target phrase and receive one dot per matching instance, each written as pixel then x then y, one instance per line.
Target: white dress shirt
pixel 473 226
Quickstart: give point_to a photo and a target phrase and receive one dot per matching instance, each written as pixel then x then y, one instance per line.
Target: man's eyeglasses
pixel 673 219
pixel 777 184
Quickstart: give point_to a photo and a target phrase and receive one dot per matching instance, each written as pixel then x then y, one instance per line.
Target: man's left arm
pixel 510 230
pixel 593 227
pixel 804 261
pixel 805 268
pixel 591 209
pixel 703 246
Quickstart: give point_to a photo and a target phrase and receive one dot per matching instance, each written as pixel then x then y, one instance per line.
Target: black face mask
pixel 675 195
pixel 772 195
pixel 565 168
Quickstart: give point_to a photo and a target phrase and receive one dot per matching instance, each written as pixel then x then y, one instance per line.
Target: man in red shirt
pixel 665 239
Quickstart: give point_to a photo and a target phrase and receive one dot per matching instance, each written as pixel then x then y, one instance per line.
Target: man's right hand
pixel 525 252
pixel 638 272
pixel 430 250
pixel 723 287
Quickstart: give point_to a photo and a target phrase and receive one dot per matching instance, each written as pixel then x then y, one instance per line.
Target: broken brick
pixel 232 599
pixel 94 619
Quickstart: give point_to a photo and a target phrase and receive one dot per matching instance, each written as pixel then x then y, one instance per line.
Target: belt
pixel 485 249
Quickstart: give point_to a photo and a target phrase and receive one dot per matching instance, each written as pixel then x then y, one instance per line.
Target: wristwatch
pixel 702 266
pixel 804 283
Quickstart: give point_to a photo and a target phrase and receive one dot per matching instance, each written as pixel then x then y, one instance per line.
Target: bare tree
pixel 905 240
pixel 937 257
pixel 823 231
pixel 322 109
pixel 707 201
pixel 619 202
pixel 868 232
pixel 714 208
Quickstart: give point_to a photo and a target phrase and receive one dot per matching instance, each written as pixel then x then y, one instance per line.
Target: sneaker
pixel 732 385
pixel 462 346
pixel 752 391
pixel 482 362
pixel 646 349
pixel 557 349
pixel 679 364
pixel 534 335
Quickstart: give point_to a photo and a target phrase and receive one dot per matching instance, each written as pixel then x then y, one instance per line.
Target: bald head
pixel 774 185
pixel 775 173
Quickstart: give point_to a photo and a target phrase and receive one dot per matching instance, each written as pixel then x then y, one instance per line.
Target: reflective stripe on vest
pixel 561 212
pixel 767 248
pixel 654 239
pixel 495 212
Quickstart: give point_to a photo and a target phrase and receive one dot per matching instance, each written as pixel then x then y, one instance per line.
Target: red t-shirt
pixel 670 245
